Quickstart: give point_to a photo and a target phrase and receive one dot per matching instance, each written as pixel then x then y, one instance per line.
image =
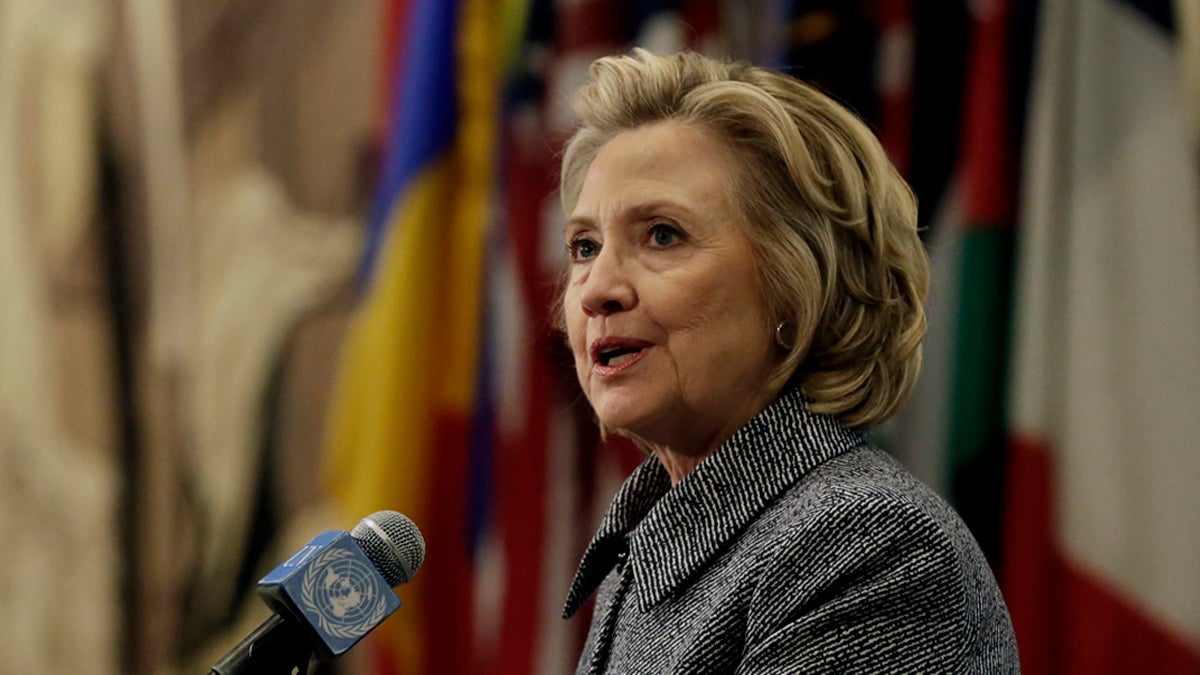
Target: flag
pixel 952 430
pixel 988 185
pixel 894 74
pixel 533 523
pixel 405 413
pixel 552 479
pixel 1102 540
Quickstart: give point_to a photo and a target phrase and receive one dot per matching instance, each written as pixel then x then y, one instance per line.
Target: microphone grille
pixel 392 543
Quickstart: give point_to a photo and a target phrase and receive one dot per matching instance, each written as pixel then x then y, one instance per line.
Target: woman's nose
pixel 608 287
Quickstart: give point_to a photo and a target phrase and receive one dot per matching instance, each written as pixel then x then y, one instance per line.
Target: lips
pixel 612 355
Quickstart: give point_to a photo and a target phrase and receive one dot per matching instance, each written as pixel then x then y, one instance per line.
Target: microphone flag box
pixel 332 589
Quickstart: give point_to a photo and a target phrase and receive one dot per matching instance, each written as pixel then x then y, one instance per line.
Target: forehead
pixel 664 161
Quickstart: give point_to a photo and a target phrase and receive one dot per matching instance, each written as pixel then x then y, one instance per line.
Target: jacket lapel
pixel 673 532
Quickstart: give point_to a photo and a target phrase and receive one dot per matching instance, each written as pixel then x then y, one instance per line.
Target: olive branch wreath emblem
pixel 331 625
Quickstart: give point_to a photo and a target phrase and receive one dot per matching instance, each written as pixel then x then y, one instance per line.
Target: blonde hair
pixel 832 224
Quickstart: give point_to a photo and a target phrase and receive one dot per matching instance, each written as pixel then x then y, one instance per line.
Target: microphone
pixel 328 595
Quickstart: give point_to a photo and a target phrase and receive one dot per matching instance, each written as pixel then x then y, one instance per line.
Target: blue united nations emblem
pixel 344 594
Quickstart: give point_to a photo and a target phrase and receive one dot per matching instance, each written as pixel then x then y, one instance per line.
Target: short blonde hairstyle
pixel 832 224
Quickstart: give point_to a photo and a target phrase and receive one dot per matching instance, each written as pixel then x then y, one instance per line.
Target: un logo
pixel 344 593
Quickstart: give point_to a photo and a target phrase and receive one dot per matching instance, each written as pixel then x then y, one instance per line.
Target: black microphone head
pixel 392 543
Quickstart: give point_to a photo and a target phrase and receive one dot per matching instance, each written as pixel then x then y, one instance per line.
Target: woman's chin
pixel 623 417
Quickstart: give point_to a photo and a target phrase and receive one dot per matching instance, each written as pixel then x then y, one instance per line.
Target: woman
pixel 745 299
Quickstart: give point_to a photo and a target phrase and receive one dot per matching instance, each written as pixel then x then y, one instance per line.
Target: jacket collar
pixel 672 532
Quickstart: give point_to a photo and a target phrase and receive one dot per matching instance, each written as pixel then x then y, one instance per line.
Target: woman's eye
pixel 582 249
pixel 662 234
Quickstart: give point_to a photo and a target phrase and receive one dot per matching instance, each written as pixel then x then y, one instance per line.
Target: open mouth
pixel 615 356
pixel 616 352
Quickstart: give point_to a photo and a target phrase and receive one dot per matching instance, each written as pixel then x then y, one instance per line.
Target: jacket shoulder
pixel 863 557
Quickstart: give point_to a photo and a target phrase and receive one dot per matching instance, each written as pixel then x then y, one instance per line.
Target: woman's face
pixel 664 310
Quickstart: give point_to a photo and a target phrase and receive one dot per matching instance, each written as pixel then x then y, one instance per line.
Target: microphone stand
pixel 277 647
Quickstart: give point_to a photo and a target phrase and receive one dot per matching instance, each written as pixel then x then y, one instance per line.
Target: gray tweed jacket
pixel 795 548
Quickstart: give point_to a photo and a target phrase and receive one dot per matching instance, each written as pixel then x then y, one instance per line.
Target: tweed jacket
pixel 796 547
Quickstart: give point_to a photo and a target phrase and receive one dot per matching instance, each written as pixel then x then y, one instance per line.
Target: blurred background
pixel 269 266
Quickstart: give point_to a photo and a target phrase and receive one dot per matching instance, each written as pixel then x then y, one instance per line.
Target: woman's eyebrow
pixel 656 207
pixel 633 213
pixel 578 222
